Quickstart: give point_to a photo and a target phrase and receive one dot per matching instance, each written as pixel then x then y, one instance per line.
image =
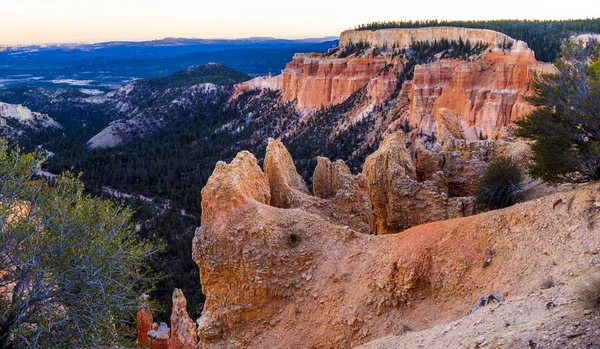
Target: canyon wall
pixel 403 37
pixel 487 91
pixel 316 81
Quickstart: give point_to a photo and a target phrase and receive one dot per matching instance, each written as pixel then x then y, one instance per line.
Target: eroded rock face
pixel 399 200
pixel 144 322
pixel 315 81
pixel 181 335
pixel 449 126
pixel 248 273
pixel 183 329
pixel 403 37
pixel 238 181
pixel 292 278
pixel 488 94
pixel 287 186
pixel 347 194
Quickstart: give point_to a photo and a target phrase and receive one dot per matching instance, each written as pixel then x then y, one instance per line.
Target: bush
pixel 71 267
pixel 500 185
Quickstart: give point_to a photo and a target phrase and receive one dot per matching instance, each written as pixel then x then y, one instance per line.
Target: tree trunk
pixel 5 329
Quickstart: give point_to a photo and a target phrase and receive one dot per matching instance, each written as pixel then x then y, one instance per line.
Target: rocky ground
pixel 294 276
pixel 547 318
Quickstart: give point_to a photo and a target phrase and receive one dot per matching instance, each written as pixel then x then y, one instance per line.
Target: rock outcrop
pixel 403 37
pixel 144 322
pixel 346 194
pixel 278 277
pixel 183 329
pixel 399 200
pixel 16 119
pixel 181 335
pixel 234 294
pixel 287 187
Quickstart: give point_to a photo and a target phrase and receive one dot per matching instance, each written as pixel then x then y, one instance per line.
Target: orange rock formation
pixel 144 322
pixel 181 335
pixel 316 81
pixel 279 278
pixel 399 200
pixel 183 329
pixel 487 94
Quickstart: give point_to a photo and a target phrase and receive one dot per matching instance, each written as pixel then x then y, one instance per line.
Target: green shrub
pixel 500 185
pixel 72 267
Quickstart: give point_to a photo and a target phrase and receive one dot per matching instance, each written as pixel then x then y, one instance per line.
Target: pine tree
pixel 565 125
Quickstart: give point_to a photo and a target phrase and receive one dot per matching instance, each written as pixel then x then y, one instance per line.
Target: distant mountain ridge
pixel 148 105
pixel 108 66
pixel 170 41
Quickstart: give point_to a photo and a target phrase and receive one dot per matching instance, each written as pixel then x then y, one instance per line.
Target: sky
pixel 39 21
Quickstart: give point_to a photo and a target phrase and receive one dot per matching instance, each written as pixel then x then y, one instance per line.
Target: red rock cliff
pixel 317 80
pixel 488 94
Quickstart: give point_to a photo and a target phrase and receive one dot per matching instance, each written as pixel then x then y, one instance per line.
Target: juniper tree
pixel 71 267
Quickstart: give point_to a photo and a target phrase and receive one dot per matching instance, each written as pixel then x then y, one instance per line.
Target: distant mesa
pixel 404 37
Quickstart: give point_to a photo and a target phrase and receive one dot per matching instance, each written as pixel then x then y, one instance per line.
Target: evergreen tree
pixel 566 123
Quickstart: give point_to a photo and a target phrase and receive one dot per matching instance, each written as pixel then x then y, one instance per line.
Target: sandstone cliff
pixel 488 94
pixel 404 37
pixel 399 200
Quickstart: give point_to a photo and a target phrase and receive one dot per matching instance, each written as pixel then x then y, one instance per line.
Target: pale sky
pixel 35 21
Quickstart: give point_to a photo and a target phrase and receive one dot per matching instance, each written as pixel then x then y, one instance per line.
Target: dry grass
pixel 588 289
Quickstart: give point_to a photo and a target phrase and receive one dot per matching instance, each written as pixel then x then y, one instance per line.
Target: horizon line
pixel 24 43
pixel 140 40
